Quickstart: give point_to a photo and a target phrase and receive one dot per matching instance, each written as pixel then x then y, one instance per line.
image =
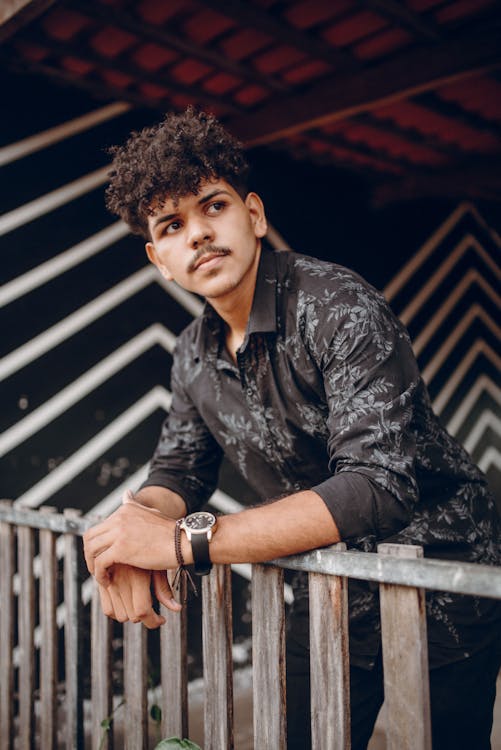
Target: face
pixel 209 243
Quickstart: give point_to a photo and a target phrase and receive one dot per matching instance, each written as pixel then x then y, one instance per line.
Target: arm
pixel 291 525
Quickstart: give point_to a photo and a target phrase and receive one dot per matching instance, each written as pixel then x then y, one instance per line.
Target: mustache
pixel 206 250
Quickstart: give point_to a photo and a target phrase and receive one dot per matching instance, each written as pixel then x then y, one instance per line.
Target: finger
pixel 96 546
pixel 106 604
pixel 163 591
pixel 142 603
pixel 102 563
pixel 117 603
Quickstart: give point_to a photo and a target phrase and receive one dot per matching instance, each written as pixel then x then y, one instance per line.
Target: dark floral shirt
pixel 326 395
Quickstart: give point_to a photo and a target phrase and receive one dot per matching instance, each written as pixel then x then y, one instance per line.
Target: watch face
pixel 201 521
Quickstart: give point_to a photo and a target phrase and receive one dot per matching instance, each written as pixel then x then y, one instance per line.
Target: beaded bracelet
pixel 183 575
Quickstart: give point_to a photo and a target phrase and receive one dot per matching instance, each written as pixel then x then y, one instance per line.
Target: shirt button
pixel 249 392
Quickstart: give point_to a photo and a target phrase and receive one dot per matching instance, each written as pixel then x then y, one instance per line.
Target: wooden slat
pixel 268 657
pixel 173 659
pixel 405 660
pixel 7 631
pixel 48 644
pixel 73 639
pixel 101 693
pixel 135 687
pixel 329 661
pixel 26 615
pixel 217 659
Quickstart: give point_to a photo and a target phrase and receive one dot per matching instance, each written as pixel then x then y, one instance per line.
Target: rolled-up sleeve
pixel 370 378
pixel 187 458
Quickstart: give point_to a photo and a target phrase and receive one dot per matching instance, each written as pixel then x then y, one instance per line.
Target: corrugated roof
pixel 410 89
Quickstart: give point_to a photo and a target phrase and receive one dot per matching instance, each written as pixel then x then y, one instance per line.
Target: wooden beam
pixel 337 98
pixel 14 14
pixel 399 14
pixel 247 14
pixel 475 178
pixel 140 75
pixel 133 24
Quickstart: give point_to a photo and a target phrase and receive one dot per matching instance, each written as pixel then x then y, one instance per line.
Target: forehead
pixel 168 205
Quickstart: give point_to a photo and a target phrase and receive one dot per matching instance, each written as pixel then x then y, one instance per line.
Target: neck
pixel 235 308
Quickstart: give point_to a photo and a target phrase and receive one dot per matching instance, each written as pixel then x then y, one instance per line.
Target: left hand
pixel 133 535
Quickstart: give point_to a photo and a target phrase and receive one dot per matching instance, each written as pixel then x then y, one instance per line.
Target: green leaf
pixel 106 724
pixel 156 713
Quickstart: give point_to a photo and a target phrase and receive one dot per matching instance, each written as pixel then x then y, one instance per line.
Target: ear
pixel 257 215
pixel 153 258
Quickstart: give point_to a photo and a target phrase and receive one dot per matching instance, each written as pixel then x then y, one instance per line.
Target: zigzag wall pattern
pixel 80 376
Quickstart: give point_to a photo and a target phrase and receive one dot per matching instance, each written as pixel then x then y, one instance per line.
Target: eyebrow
pixel 201 202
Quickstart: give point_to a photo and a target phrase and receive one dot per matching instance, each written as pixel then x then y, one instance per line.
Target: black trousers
pixel 462 696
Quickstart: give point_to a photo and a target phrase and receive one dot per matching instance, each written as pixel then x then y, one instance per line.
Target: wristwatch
pixel 199 529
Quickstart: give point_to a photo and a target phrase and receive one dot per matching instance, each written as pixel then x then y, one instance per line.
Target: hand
pixel 133 535
pixel 128 596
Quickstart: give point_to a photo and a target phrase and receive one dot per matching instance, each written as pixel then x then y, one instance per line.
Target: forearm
pixel 166 501
pixel 294 524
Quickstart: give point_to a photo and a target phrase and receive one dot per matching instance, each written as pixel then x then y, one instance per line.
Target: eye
pixel 171 228
pixel 216 207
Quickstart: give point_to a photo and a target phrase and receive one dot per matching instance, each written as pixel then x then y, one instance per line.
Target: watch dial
pixel 200 520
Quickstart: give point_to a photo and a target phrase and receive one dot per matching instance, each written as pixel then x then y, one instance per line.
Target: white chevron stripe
pixel 60 263
pixel 453 299
pixel 491 457
pixel 450 342
pixel 50 201
pixel 59 133
pixel 443 271
pixel 488 420
pixel 73 323
pixel 479 347
pixel 483 383
pixel 157 398
pixel 417 260
pixel 87 382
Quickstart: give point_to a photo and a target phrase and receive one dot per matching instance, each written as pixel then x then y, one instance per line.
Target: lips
pixel 207 254
pixel 207 258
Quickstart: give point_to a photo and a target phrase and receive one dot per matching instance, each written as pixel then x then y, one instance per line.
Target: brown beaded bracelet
pixel 182 576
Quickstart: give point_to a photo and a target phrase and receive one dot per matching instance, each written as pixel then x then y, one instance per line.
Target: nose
pixel 200 233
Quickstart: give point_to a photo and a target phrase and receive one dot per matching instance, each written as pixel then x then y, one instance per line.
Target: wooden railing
pixel 41 570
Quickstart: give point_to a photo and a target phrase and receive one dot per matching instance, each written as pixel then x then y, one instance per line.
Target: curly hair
pixel 169 160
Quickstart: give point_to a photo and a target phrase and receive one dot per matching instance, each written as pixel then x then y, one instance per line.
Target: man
pixel 300 374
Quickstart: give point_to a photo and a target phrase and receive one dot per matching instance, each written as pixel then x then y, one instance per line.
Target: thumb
pixel 163 591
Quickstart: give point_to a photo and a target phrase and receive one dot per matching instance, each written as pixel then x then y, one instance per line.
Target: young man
pixel 300 374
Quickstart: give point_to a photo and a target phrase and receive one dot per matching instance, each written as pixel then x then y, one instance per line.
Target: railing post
pixel 73 638
pixel 329 661
pixel 135 687
pixel 174 678
pixel 268 657
pixel 26 610
pixel 101 692
pixel 405 660
pixel 217 658
pixel 49 636
pixel 6 630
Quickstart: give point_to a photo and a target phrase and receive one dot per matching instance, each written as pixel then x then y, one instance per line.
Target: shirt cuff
pixel 360 507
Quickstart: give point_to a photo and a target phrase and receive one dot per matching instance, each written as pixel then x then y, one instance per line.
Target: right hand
pixel 128 596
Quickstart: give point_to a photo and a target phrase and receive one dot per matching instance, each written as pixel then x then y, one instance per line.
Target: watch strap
pixel 201 558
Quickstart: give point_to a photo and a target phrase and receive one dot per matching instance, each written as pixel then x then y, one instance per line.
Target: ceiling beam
pixel 126 20
pixel 14 14
pixel 399 14
pixel 247 14
pixel 138 74
pixel 475 178
pixel 408 74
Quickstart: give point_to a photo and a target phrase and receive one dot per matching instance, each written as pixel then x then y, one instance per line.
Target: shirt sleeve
pixel 370 378
pixel 187 458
